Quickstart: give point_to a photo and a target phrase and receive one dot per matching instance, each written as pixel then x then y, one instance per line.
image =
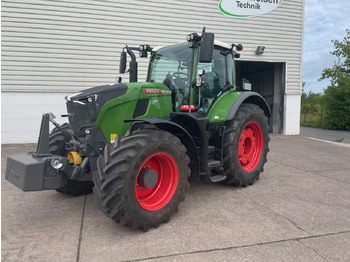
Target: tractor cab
pixel 196 72
pixel 192 82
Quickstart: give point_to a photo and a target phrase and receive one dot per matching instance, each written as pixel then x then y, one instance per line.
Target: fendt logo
pixel 247 8
pixel 156 91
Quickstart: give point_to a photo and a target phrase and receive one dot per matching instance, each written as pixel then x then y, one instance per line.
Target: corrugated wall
pixel 65 46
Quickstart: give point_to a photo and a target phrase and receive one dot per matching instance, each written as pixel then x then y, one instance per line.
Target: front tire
pixel 142 178
pixel 57 143
pixel 245 145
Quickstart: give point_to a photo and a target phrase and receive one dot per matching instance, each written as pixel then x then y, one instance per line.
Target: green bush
pixel 337 104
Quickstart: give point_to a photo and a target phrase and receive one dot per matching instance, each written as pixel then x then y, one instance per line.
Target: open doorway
pixel 267 79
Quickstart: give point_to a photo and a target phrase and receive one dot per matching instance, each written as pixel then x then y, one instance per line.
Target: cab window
pixel 216 77
pixel 172 66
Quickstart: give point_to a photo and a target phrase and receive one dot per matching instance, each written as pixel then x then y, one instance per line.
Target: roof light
pixel 145 48
pixel 193 37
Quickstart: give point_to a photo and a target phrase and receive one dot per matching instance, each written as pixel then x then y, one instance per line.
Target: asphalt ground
pixel 325 134
pixel 299 210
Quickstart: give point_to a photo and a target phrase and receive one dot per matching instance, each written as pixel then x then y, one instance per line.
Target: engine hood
pixel 83 107
pixel 111 90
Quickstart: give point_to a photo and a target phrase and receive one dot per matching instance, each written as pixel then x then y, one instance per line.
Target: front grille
pixel 81 115
pixel 71 115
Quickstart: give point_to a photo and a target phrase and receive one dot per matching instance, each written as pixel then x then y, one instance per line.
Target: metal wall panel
pixel 65 46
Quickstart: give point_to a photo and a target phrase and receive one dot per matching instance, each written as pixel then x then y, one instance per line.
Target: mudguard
pixel 248 97
pixel 178 131
pixel 227 104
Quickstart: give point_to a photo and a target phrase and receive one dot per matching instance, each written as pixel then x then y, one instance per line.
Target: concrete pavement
pixel 298 211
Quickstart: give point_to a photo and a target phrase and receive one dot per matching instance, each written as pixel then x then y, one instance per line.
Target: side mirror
pixel 199 80
pixel 207 47
pixel 122 65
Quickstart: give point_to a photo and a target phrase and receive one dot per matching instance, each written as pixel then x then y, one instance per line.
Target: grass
pixel 339 140
pixel 311 120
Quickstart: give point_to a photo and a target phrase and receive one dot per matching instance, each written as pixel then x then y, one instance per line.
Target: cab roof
pixel 216 43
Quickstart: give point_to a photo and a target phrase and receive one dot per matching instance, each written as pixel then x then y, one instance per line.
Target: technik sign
pixel 247 8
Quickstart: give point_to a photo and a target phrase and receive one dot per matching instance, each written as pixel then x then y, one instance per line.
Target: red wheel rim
pixel 250 146
pixel 160 194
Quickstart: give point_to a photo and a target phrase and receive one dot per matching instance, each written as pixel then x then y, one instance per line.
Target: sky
pixel 325 20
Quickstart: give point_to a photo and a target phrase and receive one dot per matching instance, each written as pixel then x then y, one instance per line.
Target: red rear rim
pixel 160 194
pixel 250 146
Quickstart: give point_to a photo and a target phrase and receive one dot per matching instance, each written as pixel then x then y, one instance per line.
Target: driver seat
pixel 176 96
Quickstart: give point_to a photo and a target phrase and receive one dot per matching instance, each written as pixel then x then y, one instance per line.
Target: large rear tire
pixel 57 143
pixel 245 145
pixel 142 178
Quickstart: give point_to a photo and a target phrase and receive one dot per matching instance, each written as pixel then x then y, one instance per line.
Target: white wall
pixel 291 124
pixel 21 114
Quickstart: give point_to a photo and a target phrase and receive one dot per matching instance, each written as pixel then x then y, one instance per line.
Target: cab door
pixel 217 75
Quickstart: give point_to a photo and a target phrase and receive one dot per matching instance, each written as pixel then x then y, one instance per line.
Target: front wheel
pixel 57 143
pixel 142 178
pixel 245 145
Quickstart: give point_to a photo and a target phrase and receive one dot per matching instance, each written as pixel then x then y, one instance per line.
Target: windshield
pixel 172 66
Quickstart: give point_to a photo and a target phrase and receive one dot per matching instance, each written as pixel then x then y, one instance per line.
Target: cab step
pixel 217 178
pixel 212 164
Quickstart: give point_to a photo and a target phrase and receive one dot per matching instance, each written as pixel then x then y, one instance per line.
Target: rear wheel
pixel 142 178
pixel 245 145
pixel 57 143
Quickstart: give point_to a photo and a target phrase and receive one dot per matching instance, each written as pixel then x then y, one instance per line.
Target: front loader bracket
pixel 42 149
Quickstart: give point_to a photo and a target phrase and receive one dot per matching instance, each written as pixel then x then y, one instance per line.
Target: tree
pixel 311 102
pixel 336 99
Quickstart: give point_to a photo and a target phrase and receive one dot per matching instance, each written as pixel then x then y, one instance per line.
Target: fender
pixel 176 130
pixel 226 105
pixel 248 97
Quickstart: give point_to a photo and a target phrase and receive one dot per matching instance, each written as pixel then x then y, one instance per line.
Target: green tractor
pixel 137 145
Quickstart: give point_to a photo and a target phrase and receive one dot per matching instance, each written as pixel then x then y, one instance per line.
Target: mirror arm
pixel 133 65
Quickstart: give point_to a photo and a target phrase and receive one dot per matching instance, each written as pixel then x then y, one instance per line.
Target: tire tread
pixel 112 173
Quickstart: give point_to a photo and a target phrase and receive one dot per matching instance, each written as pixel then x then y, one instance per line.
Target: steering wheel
pixel 212 75
pixel 179 74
